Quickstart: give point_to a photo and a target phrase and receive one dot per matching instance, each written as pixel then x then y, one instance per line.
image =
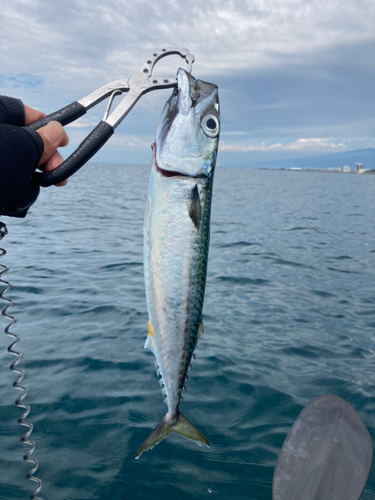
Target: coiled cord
pixel 20 373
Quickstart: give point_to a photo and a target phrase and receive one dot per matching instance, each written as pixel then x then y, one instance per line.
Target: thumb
pixel 53 136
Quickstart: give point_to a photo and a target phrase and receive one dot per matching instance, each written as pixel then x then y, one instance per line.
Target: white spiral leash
pixel 19 372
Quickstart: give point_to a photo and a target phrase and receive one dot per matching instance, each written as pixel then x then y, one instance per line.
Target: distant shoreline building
pixel 358 169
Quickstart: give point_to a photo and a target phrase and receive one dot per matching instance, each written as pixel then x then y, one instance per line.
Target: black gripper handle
pixel 86 150
pixel 65 115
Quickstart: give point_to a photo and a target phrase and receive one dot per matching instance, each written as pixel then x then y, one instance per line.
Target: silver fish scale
pixel 182 300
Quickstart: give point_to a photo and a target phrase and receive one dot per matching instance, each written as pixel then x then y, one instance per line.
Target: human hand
pixel 53 136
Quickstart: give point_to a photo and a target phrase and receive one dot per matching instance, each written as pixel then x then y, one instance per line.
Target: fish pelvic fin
pixel 181 426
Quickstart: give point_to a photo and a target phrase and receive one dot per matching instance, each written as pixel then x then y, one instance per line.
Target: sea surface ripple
pixel 289 315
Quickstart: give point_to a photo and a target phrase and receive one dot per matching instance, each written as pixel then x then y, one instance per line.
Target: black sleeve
pixel 12 111
pixel 20 152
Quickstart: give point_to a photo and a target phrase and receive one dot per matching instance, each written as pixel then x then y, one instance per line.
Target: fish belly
pixel 174 279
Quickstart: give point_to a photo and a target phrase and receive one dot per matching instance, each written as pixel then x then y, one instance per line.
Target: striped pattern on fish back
pixel 201 267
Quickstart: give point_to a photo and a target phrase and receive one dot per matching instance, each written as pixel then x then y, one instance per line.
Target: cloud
pixel 112 38
pixel 310 145
pixel 21 80
pixel 132 142
pixel 286 69
pixel 83 123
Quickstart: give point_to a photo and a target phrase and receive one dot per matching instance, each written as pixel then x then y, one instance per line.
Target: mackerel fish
pixel 176 240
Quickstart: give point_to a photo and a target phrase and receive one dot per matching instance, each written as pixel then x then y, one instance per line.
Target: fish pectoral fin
pixel 194 207
pixel 181 426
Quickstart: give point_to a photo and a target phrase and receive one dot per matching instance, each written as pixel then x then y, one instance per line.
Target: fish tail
pixel 181 425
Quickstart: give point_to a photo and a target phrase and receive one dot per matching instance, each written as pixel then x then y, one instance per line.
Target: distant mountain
pixel 333 160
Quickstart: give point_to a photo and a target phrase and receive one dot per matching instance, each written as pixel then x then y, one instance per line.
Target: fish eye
pixel 210 125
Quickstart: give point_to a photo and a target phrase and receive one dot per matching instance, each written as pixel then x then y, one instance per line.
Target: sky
pixel 296 77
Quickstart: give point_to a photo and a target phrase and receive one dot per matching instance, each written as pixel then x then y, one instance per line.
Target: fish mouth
pixel 175 173
pixel 170 173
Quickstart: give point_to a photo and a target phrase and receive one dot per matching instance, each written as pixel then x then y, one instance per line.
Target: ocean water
pixel 289 315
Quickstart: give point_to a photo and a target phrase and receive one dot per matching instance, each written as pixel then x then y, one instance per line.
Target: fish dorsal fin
pixel 200 332
pixel 194 207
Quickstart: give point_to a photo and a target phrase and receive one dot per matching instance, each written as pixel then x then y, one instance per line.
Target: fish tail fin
pixel 158 434
pixel 187 429
pixel 181 426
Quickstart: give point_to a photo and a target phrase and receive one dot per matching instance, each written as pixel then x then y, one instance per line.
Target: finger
pixel 53 136
pixel 55 160
pixel 31 115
